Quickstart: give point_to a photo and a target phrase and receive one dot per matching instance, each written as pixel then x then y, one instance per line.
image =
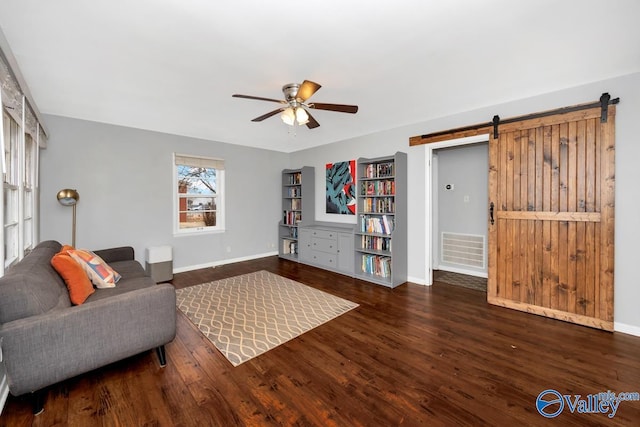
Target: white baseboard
pixel 222 262
pixel 416 280
pixel 626 329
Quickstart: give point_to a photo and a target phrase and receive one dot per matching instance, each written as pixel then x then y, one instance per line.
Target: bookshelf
pixel 380 238
pixel 295 183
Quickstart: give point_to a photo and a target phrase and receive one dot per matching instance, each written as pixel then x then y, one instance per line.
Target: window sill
pixel 197 232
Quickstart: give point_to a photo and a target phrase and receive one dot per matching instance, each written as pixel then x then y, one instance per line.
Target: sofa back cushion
pixel 32 286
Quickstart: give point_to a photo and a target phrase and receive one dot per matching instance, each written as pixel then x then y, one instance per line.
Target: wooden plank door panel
pixel 551 246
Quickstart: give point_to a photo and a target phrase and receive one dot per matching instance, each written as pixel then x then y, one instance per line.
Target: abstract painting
pixel 341 188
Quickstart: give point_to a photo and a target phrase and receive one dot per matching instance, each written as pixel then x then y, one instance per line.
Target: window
pixel 21 135
pixel 28 189
pixel 199 194
pixel 11 188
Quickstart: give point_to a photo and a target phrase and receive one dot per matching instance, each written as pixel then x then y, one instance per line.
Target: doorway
pixel 469 202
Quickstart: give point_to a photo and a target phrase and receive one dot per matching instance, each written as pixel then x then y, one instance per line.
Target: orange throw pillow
pixel 74 276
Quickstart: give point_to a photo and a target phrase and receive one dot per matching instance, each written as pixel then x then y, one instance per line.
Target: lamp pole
pixel 69 197
pixel 73 229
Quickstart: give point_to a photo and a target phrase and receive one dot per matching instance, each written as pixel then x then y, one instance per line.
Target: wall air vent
pixel 463 249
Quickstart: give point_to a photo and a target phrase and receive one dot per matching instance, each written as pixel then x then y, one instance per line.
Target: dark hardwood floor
pixel 414 355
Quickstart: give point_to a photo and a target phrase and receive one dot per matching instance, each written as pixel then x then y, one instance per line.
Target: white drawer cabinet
pixel 345 253
pixel 324 245
pixel 304 246
pixel 327 247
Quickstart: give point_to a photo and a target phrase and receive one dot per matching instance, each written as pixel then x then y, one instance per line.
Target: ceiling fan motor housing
pixel 290 92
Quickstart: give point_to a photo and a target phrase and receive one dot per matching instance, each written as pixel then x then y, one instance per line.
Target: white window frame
pixel 28 190
pixel 191 160
pixel 11 190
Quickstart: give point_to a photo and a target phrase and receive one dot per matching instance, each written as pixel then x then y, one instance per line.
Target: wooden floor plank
pixel 412 355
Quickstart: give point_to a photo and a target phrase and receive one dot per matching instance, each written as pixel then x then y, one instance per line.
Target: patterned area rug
pixel 245 316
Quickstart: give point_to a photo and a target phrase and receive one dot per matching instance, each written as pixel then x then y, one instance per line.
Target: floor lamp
pixel 68 197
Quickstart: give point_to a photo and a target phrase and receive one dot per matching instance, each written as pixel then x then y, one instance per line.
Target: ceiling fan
pixel 295 109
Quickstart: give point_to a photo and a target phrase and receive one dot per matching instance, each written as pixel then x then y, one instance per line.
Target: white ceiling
pixel 172 65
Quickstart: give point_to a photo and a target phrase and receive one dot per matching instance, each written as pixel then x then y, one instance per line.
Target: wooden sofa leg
pixel 37 400
pixel 162 357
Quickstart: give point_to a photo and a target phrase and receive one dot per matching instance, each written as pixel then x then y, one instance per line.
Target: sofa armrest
pixel 49 348
pixel 123 253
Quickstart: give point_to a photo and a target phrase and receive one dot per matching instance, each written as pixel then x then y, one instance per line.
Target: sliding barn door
pixel 551 185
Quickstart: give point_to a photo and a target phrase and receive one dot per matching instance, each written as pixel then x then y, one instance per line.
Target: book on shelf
pixel 379 205
pixel 376 265
pixel 378 188
pixel 385 169
pixel 376 224
pixel 379 170
pixel 294 192
pixel 375 243
pixel 295 178
pixel 296 204
pixel 292 217
pixel 289 247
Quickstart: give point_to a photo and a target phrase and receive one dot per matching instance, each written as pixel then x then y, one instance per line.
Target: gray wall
pixel 466 168
pixel 124 177
pixel 102 160
pixel 627 292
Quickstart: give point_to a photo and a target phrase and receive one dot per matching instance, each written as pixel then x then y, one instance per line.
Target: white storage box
pixel 159 263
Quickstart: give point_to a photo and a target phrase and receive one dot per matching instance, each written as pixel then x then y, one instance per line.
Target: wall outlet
pixel 229 249
pixel 466 199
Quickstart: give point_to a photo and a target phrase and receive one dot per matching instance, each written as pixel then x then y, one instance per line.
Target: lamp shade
pixel 68 197
pixel 301 116
pixel 288 116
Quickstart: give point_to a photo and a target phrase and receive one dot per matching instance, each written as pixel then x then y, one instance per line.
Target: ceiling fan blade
pixel 259 98
pixel 312 123
pixel 269 114
pixel 306 90
pixel 341 108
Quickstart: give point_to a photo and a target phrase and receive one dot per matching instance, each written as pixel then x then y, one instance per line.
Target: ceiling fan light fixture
pixel 288 116
pixel 301 116
pixel 294 107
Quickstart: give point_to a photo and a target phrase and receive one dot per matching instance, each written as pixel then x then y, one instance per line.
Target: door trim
pixel 429 179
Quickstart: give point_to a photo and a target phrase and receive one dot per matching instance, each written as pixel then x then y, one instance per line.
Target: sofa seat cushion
pixel 128 269
pixel 124 286
pixel 133 278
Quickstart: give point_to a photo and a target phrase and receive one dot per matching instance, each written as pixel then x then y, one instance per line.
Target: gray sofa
pixel 46 339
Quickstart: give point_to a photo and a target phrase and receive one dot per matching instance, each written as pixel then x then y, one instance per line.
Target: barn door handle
pixel 491 205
